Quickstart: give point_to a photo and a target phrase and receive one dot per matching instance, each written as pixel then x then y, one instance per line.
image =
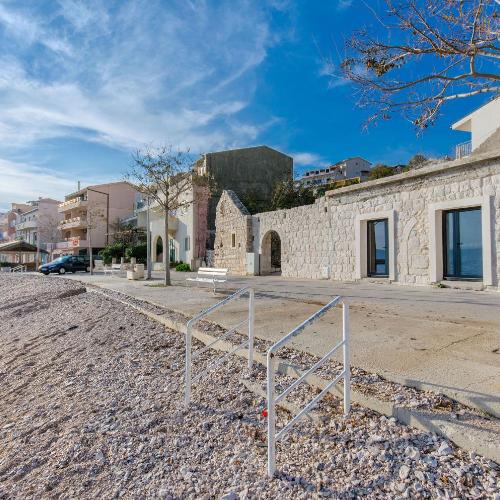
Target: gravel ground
pixel 91 407
pixel 367 383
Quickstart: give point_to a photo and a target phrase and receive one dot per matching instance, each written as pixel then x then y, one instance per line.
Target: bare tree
pixel 434 51
pixel 164 176
pixel 95 218
pixel 48 232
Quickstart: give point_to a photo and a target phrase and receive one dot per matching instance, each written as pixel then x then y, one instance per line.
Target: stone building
pixel 438 222
pixel 249 172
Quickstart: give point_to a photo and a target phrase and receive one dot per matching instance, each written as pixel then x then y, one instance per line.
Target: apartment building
pixel 9 220
pixel 39 225
pixel 483 125
pixel 345 169
pixel 88 216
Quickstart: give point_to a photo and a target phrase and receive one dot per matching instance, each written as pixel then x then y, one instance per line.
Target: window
pixel 187 244
pixel 233 240
pixel 171 247
pixel 462 244
pixel 378 248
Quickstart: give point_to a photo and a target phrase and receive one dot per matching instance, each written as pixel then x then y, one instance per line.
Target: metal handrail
pixel 272 436
pixel 188 379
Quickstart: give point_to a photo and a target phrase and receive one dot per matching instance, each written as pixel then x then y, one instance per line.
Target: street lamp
pixel 107 226
pixel 148 241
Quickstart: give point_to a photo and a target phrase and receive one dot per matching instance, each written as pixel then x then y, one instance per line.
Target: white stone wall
pixel 325 236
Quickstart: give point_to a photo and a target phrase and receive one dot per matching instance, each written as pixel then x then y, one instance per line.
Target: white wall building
pixel 39 225
pixel 483 124
pixel 345 169
pixel 187 230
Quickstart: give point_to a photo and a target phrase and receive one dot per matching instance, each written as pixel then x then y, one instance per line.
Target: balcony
pixel 72 243
pixel 462 150
pixel 72 204
pixel 29 224
pixel 74 222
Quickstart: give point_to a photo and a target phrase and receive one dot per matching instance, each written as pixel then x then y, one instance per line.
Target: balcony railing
pixel 28 224
pixel 70 243
pixel 73 222
pixel 462 150
pixel 72 203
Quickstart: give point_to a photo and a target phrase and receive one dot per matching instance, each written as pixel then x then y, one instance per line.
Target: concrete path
pixel 443 340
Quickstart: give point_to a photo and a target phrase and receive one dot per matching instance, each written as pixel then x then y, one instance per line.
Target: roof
pixel 464 124
pixel 262 146
pixel 91 186
pixel 19 246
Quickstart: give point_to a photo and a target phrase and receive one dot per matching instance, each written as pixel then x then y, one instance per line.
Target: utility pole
pixel 148 242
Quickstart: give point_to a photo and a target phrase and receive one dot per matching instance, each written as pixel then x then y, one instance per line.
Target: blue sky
pixel 85 83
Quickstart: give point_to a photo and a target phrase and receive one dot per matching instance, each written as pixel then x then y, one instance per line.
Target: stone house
pixel 438 222
pixel 250 172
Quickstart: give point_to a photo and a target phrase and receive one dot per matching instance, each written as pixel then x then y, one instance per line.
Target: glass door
pixel 462 244
pixel 378 248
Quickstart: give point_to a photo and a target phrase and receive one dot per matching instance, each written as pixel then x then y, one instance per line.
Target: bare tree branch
pixel 435 51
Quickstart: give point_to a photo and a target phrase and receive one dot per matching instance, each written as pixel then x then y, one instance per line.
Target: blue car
pixel 66 264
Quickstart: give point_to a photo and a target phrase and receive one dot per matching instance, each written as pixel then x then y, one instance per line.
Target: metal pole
pixel 148 243
pixel 89 231
pixel 187 375
pixel 347 363
pixel 251 317
pixel 271 417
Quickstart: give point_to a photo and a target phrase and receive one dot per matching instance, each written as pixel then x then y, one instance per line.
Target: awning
pixel 19 246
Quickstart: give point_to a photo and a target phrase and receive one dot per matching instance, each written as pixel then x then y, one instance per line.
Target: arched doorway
pixel 270 258
pixel 158 250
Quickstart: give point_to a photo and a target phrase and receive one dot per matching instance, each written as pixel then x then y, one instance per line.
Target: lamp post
pixel 107 225
pixel 148 242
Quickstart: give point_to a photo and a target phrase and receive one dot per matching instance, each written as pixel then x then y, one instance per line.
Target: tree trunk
pixel 166 253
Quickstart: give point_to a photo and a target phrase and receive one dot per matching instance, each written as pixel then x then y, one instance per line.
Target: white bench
pixel 211 275
pixel 114 269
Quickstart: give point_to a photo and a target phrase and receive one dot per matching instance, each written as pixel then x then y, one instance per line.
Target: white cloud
pixel 306 158
pixel 22 182
pixel 344 4
pixel 139 72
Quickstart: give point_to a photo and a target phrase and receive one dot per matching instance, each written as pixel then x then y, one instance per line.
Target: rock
pixel 404 472
pixel 444 449
pixel 412 453
pixel 230 496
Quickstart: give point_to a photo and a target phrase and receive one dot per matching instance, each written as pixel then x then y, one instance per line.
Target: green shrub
pixel 140 252
pixel 115 251
pixel 5 264
pixel 182 267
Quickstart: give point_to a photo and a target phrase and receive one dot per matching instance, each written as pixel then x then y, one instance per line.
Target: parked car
pixel 66 264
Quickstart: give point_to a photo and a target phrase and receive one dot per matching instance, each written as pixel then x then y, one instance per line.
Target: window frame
pixel 369 224
pixel 456 240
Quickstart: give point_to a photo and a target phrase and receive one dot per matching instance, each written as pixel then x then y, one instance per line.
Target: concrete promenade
pixel 444 340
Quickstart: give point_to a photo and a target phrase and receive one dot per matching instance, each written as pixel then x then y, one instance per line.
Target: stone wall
pixel 234 239
pixel 327 239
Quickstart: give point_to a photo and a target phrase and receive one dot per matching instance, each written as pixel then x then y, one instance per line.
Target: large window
pixel 378 248
pixel 462 244
pixel 171 247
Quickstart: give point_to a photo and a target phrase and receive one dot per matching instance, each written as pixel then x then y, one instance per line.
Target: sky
pixel 84 84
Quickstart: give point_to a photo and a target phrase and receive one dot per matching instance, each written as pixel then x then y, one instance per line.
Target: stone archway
pixel 158 249
pixel 270 256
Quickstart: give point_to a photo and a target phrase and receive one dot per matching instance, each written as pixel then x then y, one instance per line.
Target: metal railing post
pixel 187 376
pixel 347 361
pixel 271 417
pixel 251 318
